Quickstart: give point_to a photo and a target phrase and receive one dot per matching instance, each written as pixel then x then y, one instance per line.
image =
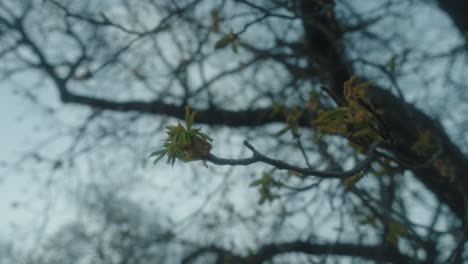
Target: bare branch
pixel 269 251
pixel 282 165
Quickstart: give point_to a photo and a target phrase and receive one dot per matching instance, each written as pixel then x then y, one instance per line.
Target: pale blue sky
pixel 18 132
pixel 16 129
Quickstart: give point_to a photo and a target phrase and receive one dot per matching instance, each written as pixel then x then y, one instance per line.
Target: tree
pixel 342 108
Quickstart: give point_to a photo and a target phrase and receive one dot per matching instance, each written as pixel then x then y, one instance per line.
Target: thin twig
pixel 282 165
pixel 301 148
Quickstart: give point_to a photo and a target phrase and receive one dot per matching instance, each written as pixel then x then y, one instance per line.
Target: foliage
pixel 395 231
pixel 292 115
pixel 351 181
pixel 215 21
pixel 227 39
pixel 184 143
pixel 423 144
pixel 356 120
pixel 264 184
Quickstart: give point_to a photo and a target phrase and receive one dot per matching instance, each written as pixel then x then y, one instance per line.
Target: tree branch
pixel 269 251
pixel 210 116
pixel 279 164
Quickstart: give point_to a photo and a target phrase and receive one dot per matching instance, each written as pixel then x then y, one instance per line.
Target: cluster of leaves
pixel 313 103
pixel 442 165
pixel 264 185
pixel 227 39
pixel 292 116
pixel 394 230
pixel 184 143
pixel 215 21
pixel 423 144
pixel 351 181
pixel 355 121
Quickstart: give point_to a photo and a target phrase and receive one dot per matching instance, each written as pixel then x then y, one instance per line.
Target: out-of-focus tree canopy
pixel 318 131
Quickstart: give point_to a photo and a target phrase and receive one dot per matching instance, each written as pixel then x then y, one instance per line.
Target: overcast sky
pixel 15 130
pixel 19 126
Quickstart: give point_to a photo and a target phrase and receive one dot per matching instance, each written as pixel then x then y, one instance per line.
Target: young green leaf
pixel 215 21
pixel 225 40
pixel 395 230
pixel 160 155
pixel 184 143
pixel 351 181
